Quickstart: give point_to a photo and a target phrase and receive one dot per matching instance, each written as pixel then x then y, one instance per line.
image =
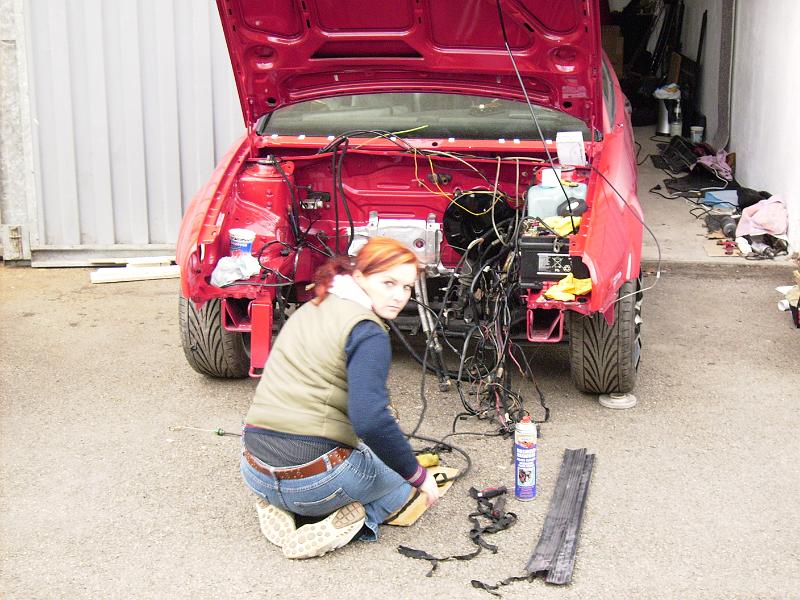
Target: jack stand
pixel 432 338
pixel 618 401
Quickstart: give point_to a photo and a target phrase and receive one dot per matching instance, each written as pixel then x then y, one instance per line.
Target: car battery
pixel 546 258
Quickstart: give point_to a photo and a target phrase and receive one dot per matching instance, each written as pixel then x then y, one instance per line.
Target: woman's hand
pixel 430 488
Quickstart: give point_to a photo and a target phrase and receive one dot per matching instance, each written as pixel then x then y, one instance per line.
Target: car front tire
pixel 605 359
pixel 211 349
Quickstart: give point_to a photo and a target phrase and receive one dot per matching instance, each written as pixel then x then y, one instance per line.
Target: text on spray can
pixel 525 459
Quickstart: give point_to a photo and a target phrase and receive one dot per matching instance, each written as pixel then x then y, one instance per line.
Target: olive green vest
pixel 303 388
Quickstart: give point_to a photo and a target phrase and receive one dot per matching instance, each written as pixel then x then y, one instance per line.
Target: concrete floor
pixel 680 235
pixel 694 494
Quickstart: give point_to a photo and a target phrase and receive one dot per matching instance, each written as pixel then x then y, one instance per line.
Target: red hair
pixel 378 254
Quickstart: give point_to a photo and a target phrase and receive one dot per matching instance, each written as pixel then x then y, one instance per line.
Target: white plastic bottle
pixel 525 437
pixel 676 127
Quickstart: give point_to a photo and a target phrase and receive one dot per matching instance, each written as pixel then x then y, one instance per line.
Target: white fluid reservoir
pixel 544 201
pixel 550 177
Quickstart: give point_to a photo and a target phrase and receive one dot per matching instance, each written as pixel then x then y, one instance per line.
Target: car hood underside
pixel 288 51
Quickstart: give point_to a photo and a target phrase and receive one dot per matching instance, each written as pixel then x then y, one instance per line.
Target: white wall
pixel 765 116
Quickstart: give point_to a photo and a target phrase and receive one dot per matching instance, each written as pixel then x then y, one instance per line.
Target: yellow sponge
pixel 427 460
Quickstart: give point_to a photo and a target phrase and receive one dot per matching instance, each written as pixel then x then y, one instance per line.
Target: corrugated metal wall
pixel 133 102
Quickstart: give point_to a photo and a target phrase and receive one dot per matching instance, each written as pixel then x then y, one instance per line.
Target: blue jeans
pixel 362 477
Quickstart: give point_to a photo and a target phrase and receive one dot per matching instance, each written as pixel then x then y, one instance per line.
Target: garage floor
pixel 694 493
pixel 680 235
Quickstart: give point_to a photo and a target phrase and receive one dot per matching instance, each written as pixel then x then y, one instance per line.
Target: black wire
pixel 533 113
pixel 337 177
pixel 657 193
pixel 476 434
pixel 392 137
pixel 327 253
pixel 404 340
pixel 286 245
pixel 535 385
pixel 464 402
pixel 448 288
pixel 294 215
pixel 463 453
pixel 638 218
pixel 270 270
pixel 439 323
pixel 440 330
pixel 319 237
pixel 335 203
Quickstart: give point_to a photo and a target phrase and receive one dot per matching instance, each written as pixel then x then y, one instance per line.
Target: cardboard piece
pixel 134 273
pixel 712 248
pixel 414 509
pixel 674 72
pixel 613 44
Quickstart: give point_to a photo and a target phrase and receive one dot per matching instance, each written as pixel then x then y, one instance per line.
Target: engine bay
pixel 494 231
pixel 437 203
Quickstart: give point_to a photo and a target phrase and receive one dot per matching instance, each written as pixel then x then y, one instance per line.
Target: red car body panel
pixel 612 247
pixel 199 221
pixel 285 51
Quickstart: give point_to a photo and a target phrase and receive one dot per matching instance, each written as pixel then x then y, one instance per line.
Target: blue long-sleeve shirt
pixel 369 356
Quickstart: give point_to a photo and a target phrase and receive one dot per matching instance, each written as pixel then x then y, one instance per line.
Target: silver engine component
pixel 424 238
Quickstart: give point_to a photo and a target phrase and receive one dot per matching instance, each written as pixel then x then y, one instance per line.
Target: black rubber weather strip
pixel 561 573
pixel 561 506
pixel 554 554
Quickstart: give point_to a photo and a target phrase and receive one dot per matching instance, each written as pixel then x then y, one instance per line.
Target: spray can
pixel 525 459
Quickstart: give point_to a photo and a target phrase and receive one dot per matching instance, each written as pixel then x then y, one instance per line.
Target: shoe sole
pixel 329 534
pixel 276 524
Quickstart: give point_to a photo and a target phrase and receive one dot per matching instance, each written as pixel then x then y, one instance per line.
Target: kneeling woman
pixel 320 439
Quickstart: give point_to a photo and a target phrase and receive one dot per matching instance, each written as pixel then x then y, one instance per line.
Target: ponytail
pixel 323 277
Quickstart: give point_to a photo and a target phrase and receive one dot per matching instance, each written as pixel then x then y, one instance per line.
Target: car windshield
pixel 420 115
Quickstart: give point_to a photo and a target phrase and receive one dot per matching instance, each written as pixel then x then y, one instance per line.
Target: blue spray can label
pixel 525 459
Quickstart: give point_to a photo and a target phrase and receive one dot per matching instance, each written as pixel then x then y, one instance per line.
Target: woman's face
pixel 389 290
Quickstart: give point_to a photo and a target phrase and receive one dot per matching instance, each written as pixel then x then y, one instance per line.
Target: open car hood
pixel 289 51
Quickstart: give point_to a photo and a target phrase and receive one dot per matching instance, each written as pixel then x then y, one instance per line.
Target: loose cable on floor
pixel 219 431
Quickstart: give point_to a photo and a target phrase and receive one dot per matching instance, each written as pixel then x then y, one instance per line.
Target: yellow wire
pixel 387 135
pixel 422 183
pixel 496 194
pixel 435 178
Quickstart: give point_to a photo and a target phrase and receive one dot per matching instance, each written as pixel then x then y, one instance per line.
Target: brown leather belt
pixel 326 462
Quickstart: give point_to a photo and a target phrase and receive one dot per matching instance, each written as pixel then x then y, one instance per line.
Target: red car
pixel 490 136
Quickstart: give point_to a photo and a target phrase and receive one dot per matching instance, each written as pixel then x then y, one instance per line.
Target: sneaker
pixel 329 534
pixel 276 524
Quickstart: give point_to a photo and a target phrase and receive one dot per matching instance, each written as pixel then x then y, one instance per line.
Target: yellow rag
pixel 562 225
pixel 569 287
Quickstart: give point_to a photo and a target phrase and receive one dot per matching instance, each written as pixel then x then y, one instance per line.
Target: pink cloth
pixel 718 164
pixel 768 216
